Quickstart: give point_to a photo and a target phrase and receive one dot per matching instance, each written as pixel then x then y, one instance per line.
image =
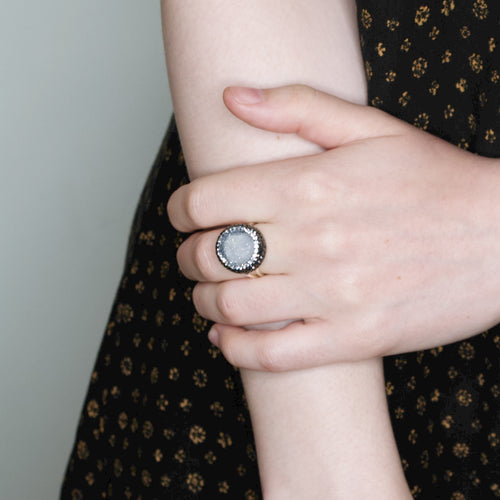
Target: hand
pixel 384 243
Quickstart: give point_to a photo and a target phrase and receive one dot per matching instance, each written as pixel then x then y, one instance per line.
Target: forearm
pixel 338 413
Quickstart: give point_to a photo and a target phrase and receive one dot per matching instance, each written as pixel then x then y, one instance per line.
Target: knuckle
pixel 270 357
pixel 198 300
pixel 227 349
pixel 203 259
pixel 227 305
pixel 194 207
pixel 327 241
pixel 312 186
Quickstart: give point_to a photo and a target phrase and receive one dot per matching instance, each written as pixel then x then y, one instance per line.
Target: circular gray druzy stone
pixel 240 248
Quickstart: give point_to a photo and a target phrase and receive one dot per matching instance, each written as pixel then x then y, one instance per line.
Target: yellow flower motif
pixel 389 388
pixel 147 429
pixel 122 420
pixel 405 46
pixel 434 33
pixel 435 394
pixel 186 348
pixel 448 6
pixel 390 76
pixel 480 9
pixel 490 136
pixel 495 76
pixel 421 121
pixel 199 323
pixel 93 408
pixel 399 413
pixel 168 434
pixel 146 478
pixel 82 450
pixel 457 495
pixel 392 24
pixel 419 67
pixel 223 487
pixel 165 481
pixel 434 88
pixel 447 422
pixel 471 119
pixel 466 350
pixel 197 434
pixel 186 405
pixel 158 455
pixel 380 49
pixel 465 32
pixel 422 15
pixel 224 440
pixel 449 111
pixel 460 450
pixel 200 378
pixel 493 439
pixel 126 366
pixel 491 44
pixel 124 313
pixel 461 85
pixel 160 317
pixel 147 237
pixel 164 268
pixel 162 402
pixel 446 57
pixel 366 19
pixel 476 63
pixel 195 482
pixel 464 397
pixel 421 405
pixel 251 495
pixel 210 457
pixel 424 459
pixel 180 456
pixel 174 374
pixel 217 408
pixel 412 437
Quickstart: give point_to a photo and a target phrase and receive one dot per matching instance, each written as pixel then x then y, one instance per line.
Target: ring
pixel 241 248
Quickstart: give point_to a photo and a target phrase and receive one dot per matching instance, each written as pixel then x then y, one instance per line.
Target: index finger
pixel 242 194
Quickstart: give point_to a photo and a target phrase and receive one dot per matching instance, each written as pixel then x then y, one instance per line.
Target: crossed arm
pixel 402 227
pixel 324 432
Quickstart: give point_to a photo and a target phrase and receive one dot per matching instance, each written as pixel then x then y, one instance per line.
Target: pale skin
pixel 323 432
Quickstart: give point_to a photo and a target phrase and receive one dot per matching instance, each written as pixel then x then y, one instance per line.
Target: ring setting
pixel 241 248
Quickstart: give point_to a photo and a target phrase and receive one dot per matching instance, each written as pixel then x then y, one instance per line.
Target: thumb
pixel 318 117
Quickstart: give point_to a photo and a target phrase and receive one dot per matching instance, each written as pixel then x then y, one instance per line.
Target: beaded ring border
pixel 259 250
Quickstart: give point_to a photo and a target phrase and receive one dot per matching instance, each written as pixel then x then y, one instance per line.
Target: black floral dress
pixel 165 415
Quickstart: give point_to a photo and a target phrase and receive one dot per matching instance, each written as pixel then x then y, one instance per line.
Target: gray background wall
pixel 84 104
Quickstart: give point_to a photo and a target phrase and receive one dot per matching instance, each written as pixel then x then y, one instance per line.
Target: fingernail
pixel 213 336
pixel 246 95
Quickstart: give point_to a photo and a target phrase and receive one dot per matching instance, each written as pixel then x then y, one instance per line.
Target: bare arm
pixel 322 433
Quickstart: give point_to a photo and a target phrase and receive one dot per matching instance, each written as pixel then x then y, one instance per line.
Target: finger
pixel 246 194
pixel 251 301
pixel 316 116
pixel 198 259
pixel 298 346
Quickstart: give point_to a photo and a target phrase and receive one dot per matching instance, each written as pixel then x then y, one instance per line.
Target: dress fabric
pixel 165 415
